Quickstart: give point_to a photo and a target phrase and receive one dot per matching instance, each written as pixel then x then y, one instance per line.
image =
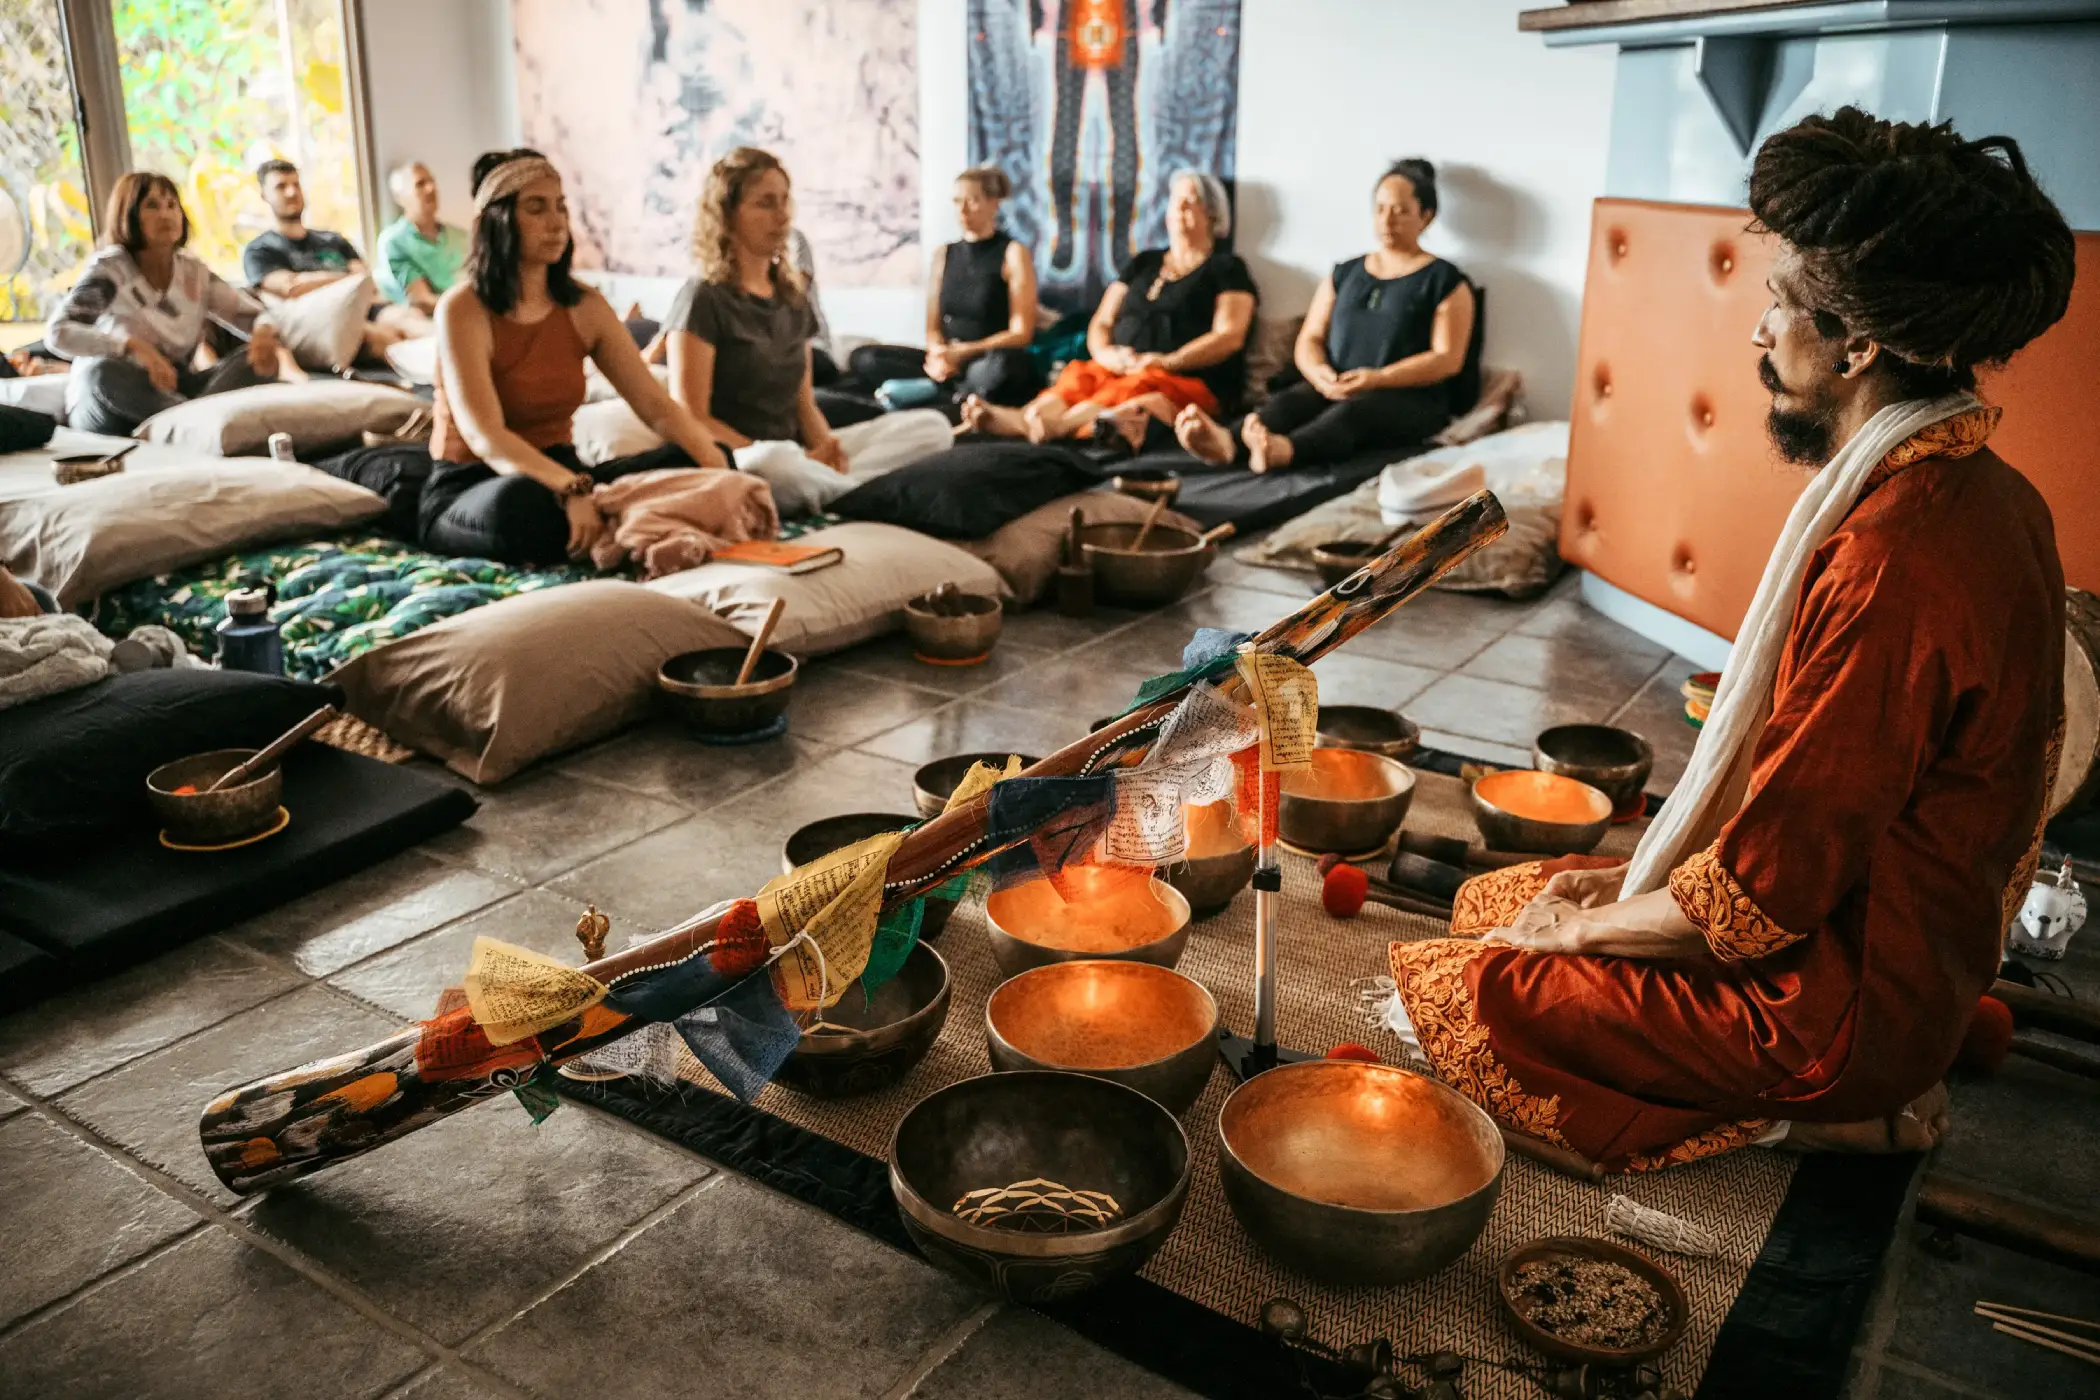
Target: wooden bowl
pixel 1369 730
pixel 700 688
pixel 1170 562
pixel 1614 761
pixel 1031 925
pixel 932 785
pixel 1542 813
pixel 1348 802
pixel 205 818
pixel 887 1034
pixel 1136 1023
pixel 955 628
pixel 1571 1246
pixel 820 838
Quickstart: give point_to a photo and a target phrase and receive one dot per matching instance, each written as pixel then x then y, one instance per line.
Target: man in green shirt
pixel 418 256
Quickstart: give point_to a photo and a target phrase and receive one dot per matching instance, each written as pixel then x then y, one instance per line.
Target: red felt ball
pixel 1342 892
pixel 1350 1050
pixel 1988 1039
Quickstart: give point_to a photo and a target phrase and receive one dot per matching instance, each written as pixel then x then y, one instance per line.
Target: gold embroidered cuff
pixel 1723 912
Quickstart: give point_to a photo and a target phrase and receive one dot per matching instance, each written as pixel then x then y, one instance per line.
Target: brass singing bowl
pixel 1358 1173
pixel 1348 802
pixel 953 626
pixel 1031 925
pixel 1078 1131
pixel 1148 483
pixel 1136 1023
pixel 932 785
pixel 700 688
pixel 1337 559
pixel 213 818
pixel 1172 560
pixel 1543 813
pixel 820 838
pixel 1614 761
pixel 887 1034
pixel 1368 729
pixel 1220 859
pixel 1586 1247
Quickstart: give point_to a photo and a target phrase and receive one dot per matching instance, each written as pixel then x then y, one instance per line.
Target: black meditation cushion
pixel 971 489
pixel 77 761
pixel 24 429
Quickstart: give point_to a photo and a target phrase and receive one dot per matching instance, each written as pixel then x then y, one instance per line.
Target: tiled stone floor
pixel 486 1258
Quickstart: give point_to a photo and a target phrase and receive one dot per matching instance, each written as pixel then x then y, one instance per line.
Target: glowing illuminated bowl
pixel 1074 1130
pixel 1614 761
pixel 1542 813
pixel 1219 863
pixel 883 1035
pixel 1356 1173
pixel 1349 802
pixel 1136 1023
pixel 1106 916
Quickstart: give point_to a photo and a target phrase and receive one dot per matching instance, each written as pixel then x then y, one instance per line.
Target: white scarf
pixel 1712 786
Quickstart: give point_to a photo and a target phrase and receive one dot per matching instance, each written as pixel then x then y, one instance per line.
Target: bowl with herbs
pixel 1589 1300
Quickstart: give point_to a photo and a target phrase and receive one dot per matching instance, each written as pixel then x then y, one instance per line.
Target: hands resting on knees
pixel 1580 911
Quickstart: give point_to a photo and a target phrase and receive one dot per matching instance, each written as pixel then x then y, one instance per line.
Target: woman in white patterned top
pixel 133 323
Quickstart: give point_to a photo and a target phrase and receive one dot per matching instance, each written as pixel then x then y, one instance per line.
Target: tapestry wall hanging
pixel 633 103
pixel 1090 106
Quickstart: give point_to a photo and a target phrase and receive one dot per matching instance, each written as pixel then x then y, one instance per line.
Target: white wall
pixel 442 88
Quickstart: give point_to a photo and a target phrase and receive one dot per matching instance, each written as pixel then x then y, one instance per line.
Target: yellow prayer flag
pixel 515 992
pixel 1286 697
pixel 836 901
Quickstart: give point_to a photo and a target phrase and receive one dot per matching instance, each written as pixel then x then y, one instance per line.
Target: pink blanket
pixel 673 520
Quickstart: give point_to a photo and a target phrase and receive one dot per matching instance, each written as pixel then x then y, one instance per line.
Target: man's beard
pixel 1801 436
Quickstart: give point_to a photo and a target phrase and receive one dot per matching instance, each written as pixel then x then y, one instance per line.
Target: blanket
pixel 673 520
pixel 54 652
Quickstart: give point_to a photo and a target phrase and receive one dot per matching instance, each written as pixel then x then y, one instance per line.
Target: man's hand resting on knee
pixel 1646 926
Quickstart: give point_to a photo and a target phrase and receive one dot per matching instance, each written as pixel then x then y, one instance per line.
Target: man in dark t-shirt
pixel 290 260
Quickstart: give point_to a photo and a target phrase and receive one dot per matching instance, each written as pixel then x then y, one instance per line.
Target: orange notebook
pixel 784 555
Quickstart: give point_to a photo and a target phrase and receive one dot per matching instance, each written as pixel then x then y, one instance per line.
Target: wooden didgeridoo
pixel 305 1119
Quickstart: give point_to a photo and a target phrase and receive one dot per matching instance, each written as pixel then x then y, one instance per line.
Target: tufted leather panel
pixel 1673 491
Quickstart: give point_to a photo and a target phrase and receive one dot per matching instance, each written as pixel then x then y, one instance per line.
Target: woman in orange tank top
pixel 505 480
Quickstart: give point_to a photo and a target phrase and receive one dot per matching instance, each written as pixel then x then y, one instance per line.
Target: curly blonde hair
pixel 714 242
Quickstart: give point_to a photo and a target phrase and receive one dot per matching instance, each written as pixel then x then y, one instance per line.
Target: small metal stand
pixel 1245 1056
pixel 591 930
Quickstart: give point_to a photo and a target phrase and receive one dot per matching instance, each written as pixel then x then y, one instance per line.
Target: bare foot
pixel 1032 425
pixel 978 416
pixel 1266 451
pixel 1126 425
pixel 1917 1127
pixel 1202 436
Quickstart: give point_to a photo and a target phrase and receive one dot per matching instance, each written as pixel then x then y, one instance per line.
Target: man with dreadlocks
pixel 1800 940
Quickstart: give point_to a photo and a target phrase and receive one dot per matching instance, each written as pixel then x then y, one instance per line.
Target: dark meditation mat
pixel 1212 496
pixel 1775 1312
pixel 97 904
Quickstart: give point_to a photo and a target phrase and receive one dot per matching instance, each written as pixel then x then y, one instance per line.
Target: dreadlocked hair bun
pixel 1945 251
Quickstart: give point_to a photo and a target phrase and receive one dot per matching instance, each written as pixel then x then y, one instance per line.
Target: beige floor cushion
pixel 852 601
pixel 1027 550
pixel 492 690
pixel 325 329
pixel 319 414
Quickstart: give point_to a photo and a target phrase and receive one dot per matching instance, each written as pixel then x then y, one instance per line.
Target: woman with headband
pixel 505 480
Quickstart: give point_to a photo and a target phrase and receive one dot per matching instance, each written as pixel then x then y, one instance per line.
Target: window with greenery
pixel 45 232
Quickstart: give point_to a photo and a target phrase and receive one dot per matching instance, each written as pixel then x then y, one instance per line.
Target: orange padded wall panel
pixel 1673 491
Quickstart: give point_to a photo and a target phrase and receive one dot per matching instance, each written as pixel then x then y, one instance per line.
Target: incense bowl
pixel 1368 729
pixel 932 784
pixel 1032 925
pixel 1614 761
pixel 1173 559
pixel 820 838
pixel 886 1035
pixel 1349 802
pixel 1586 1247
pixel 1540 813
pixel 700 688
pixel 1037 1126
pixel 1219 863
pixel 203 818
pixel 954 629
pixel 1358 1173
pixel 1135 1023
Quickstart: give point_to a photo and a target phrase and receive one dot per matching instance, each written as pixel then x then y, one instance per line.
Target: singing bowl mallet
pixel 758 642
pixel 274 750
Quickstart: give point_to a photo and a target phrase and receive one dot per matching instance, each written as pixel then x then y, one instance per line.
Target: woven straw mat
pixel 353 735
pixel 1212 1261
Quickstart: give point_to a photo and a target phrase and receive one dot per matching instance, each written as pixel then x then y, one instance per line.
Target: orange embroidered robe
pixel 1854 907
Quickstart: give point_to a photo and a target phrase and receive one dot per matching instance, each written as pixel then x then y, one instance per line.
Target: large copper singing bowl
pixel 1219 861
pixel 1348 802
pixel 887 1034
pixel 1350 1172
pixel 1614 761
pixel 700 688
pixel 1106 915
pixel 820 838
pixel 1544 813
pixel 1172 560
pixel 1136 1023
pixel 1070 1129
pixel 933 783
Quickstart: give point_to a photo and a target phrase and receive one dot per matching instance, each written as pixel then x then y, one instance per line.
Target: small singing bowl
pixel 1035 1126
pixel 933 783
pixel 885 1036
pixel 1148 483
pixel 821 838
pixel 1138 1024
pixel 1368 729
pixel 1542 813
pixel 1348 802
pixel 1031 925
pixel 1172 560
pixel 1337 559
pixel 953 627
pixel 1580 1247
pixel 1614 761
pixel 700 688
pixel 203 818
pixel 1357 1173
pixel 1219 862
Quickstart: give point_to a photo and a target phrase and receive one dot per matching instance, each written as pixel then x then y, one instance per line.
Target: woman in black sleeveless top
pixel 980 309
pixel 1387 351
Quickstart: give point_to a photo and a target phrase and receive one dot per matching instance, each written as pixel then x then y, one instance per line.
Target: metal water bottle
pixel 248 640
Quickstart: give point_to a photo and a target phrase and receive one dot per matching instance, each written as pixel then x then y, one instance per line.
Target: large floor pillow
pixel 492 690
pixel 79 541
pixel 325 329
pixel 970 490
pixel 1026 551
pixel 859 598
pixel 319 414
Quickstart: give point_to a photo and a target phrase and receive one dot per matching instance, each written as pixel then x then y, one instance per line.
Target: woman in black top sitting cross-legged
pixel 1384 351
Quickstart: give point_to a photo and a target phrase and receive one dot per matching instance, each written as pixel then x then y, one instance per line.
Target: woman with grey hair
pixel 1171 332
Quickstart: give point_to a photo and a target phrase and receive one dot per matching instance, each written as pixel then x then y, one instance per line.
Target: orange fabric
pixel 1083 381
pixel 538 370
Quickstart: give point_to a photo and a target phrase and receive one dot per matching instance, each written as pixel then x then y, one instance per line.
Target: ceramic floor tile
pixel 369 912
pixel 10 1105
pixel 835 706
pixel 973 726
pixel 891 659
pixel 1899 1381
pixel 469 1219
pixel 1044 628
pixel 1074 685
pixel 1566 616
pixel 210 1316
pixel 1936 1326
pixel 1493 710
pixel 1233 609
pixel 73 1214
pixel 1439 631
pixel 407 980
pixel 1484 750
pixel 1022 1355
pixel 1656 713
pixel 150 1107
pixel 1346 679
pixel 1295 584
pixel 662 760
pixel 58 1043
pixel 449 1383
pixel 1566 667
pixel 774 1320
pixel 548 822
pixel 2029 1131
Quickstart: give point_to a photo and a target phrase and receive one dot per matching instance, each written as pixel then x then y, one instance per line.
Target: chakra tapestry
pixel 634 101
pixel 1091 106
